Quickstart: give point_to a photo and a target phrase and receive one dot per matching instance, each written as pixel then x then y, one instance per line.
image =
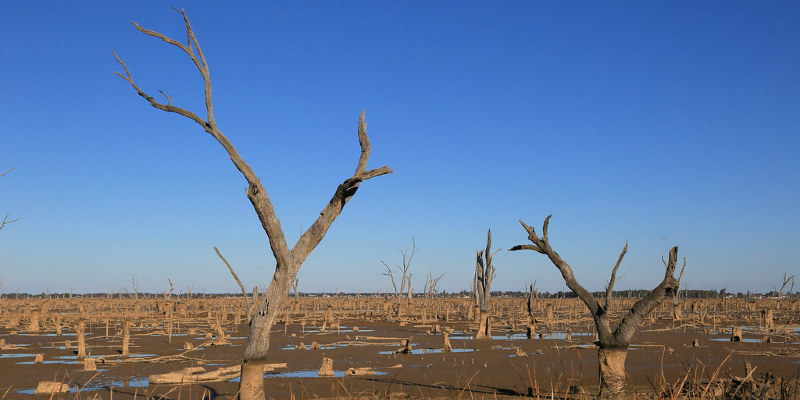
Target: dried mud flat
pixel 509 364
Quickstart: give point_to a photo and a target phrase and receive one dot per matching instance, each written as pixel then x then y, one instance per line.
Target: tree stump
pixel 89 364
pixel 766 316
pixel 736 334
pixel 126 338
pixel 51 387
pixel 327 367
pixel 406 349
pixel 80 332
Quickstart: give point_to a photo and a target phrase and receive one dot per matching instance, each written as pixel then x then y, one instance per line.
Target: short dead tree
pixel 530 298
pixel 405 274
pixel 288 260
pixel 612 344
pixel 484 275
pixel 786 280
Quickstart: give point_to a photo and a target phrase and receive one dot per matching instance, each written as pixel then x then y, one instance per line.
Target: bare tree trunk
pixel 484 326
pixel 80 331
pixel 484 275
pixel 530 319
pixel 612 372
pixel 126 338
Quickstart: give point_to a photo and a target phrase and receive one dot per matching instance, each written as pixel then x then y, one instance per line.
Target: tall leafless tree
pixel 612 344
pixel 786 280
pixel 484 275
pixel 288 260
pixel 405 274
pixel 429 290
pixel 135 287
pixel 430 284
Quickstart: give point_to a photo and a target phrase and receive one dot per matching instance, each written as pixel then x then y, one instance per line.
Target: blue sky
pixel 660 123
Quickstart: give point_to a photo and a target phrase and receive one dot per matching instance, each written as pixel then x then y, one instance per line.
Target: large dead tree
pixel 612 344
pixel 288 260
pixel 484 275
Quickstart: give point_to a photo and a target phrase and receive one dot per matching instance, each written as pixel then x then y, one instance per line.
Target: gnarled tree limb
pixel 542 245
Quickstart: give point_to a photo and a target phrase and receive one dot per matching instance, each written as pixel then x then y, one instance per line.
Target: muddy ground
pixel 474 366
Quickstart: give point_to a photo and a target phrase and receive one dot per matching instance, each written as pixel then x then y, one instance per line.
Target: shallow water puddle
pixel 18 355
pixel 322 347
pixel 746 340
pixel 523 336
pixel 75 388
pixel 311 373
pixel 429 351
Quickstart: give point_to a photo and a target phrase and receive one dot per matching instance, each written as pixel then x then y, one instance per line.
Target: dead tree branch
pixel 241 286
pixel 288 261
pixel 786 280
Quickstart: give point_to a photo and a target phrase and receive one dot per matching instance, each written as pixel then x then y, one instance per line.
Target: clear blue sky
pixel 661 123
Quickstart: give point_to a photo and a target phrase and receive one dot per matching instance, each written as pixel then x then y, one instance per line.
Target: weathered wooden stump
pixel 89 364
pixel 327 367
pixel 736 334
pixel 51 387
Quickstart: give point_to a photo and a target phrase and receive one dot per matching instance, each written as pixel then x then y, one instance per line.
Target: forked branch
pixel 256 193
pixel 542 245
pixel 636 315
pixel 786 280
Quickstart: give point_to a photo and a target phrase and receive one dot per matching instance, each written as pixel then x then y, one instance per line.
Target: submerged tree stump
pixel 406 349
pixel 89 364
pixel 766 316
pixel 327 367
pixel 51 387
pixel 736 334
pixel 80 331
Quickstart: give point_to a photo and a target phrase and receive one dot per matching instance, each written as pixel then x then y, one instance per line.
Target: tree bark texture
pixel 482 281
pixel 484 326
pixel 612 372
pixel 251 382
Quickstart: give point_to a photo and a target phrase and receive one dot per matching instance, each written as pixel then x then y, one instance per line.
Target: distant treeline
pixel 635 293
